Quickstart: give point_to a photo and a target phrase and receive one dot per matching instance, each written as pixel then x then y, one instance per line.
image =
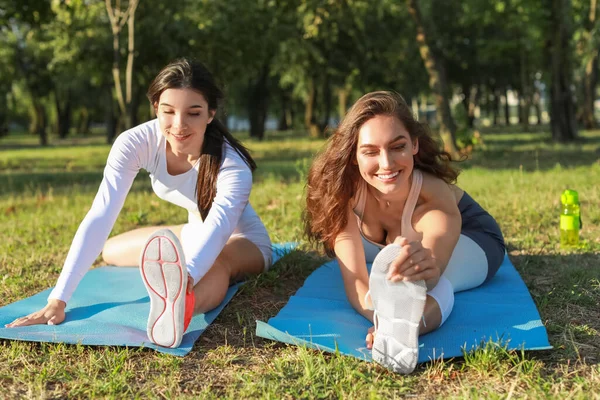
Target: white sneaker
pixel 398 309
pixel 164 274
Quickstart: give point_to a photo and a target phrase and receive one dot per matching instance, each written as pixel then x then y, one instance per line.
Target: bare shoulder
pixel 435 189
pixel 436 194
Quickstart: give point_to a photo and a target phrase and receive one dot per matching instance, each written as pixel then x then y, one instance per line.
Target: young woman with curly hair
pixel 384 192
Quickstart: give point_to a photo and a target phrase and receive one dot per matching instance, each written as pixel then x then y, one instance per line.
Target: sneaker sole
pixel 399 307
pixel 165 277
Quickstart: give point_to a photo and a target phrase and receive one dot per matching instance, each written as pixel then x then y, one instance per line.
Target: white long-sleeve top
pixel 144 147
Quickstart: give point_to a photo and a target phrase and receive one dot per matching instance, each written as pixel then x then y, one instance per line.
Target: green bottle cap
pixel 569 197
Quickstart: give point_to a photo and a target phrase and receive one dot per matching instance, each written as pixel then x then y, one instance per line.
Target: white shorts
pixel 260 238
pixel 250 228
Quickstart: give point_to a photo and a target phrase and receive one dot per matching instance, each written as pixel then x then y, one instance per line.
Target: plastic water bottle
pixel 570 219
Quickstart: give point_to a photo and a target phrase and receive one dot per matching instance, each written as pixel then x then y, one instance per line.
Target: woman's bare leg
pixel 432 316
pixel 239 259
pixel 124 250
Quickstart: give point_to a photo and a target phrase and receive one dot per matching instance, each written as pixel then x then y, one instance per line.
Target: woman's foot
pixel 398 310
pixel 164 274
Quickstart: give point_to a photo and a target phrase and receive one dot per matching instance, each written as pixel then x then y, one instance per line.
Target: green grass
pixel 518 177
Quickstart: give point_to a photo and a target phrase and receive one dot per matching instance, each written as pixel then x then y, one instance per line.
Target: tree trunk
pixel 309 110
pixel 562 109
pixel 258 94
pixel 129 70
pixel 496 106
pixel 590 81
pixel 506 108
pixel 590 72
pixel 40 121
pixel 437 80
pixel 470 102
pixel 118 18
pixel 524 108
pixel 112 120
pixel 63 114
pixel 415 108
pixel 3 110
pixel 284 122
pixel 134 106
pixel 525 94
pixel 327 105
pixel 519 106
pixel 83 125
pixel 537 105
pixel 343 94
pixel 465 88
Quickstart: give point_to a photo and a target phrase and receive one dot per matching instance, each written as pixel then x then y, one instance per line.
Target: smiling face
pixel 183 115
pixel 385 153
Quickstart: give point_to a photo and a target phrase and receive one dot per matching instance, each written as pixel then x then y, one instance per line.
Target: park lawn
pixel 518 177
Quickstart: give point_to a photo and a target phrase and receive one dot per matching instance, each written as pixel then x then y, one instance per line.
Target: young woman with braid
pixel 195 163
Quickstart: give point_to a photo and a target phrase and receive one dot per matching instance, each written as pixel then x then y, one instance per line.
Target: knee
pixel 443 294
pixel 110 252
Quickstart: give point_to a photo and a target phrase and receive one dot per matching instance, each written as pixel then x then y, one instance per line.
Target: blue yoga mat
pixel 110 307
pixel 319 316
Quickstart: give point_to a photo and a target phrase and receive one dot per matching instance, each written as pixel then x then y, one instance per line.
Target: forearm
pixel 431 283
pixel 93 231
pixel 85 248
pixel 356 292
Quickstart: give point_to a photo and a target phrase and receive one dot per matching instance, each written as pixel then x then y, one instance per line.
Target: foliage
pixel 279 57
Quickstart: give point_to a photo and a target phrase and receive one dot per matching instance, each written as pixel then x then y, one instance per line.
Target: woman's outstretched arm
pixel 119 173
pixel 350 254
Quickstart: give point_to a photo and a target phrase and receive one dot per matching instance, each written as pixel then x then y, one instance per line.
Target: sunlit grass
pixel 518 177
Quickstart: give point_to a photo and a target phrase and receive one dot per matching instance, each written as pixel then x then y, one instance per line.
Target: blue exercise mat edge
pixel 71 333
pixel 539 341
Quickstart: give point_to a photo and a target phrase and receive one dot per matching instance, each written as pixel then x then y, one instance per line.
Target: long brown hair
pixel 184 73
pixel 333 177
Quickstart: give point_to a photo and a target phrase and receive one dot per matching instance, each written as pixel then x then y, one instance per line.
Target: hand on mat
pixel 52 314
pixel 414 263
pixel 370 337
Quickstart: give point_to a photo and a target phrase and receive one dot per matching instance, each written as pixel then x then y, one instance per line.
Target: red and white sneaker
pixel 164 274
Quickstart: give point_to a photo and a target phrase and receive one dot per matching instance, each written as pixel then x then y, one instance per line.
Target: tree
pixel 588 48
pixel 20 24
pixel 118 17
pixel 80 62
pixel 558 50
pixel 437 79
pixel 7 75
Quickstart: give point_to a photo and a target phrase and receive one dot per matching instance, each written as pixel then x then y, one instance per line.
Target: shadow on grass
pixel 531 160
pixel 16 183
pixel 541 138
pixel 534 152
pixel 19 182
pixel 566 290
pixel 75 142
pixel 514 128
pixel 261 298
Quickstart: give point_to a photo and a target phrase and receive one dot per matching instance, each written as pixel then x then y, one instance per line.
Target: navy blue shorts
pixel 482 228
